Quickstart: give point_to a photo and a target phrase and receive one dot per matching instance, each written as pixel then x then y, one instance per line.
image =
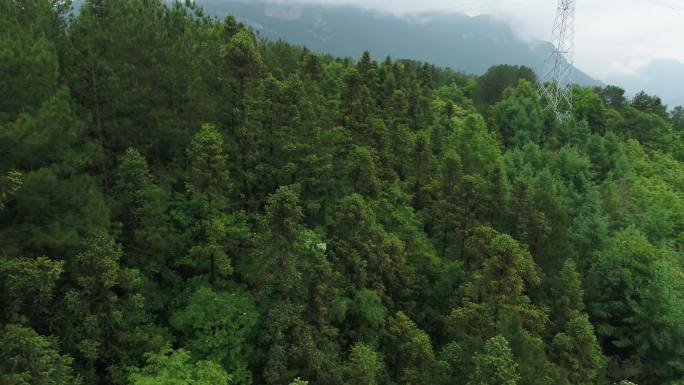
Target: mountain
pixel 457 41
pixel 662 77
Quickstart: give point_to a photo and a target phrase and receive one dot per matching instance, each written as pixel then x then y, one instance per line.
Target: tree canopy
pixel 185 202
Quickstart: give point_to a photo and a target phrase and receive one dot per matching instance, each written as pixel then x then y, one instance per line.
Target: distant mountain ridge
pixel 457 41
pixel 662 77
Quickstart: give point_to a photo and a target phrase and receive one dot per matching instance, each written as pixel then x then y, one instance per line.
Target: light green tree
pixel 216 326
pixel 364 366
pixel 175 367
pixel 495 366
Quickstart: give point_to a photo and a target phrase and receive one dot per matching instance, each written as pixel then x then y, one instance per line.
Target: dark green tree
pixel 491 86
pixel 518 116
pixel 27 358
pixel 634 303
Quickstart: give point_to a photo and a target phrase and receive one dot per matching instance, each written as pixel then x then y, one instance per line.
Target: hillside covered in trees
pixel 182 202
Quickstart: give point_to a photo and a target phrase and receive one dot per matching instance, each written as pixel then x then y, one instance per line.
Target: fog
pixel 612 36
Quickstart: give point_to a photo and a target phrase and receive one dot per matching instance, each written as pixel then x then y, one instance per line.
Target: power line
pixel 555 87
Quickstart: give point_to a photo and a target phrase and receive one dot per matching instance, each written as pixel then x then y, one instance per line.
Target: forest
pixel 185 202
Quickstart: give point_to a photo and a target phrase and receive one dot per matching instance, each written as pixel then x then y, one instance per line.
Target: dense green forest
pixel 183 202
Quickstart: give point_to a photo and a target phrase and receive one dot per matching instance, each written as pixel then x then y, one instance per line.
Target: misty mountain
pixel 662 77
pixel 457 41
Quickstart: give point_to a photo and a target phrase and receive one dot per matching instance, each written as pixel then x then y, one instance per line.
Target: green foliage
pixel 366 314
pixel 576 350
pixel 102 297
pixel 409 351
pixel 31 71
pixel 491 86
pixel 649 103
pixel 9 184
pixel 27 358
pixel 174 367
pixel 588 106
pixel 27 287
pixel 216 326
pixel 635 292
pixel 677 115
pixel 574 346
pixel 518 116
pixel 242 55
pixel 208 171
pixel 503 269
pixel 495 365
pixel 340 221
pixel 365 365
pixel 51 215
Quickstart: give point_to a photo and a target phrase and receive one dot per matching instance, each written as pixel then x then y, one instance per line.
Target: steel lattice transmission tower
pixel 555 85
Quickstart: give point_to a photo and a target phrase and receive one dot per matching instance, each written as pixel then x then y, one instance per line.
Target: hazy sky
pixel 612 36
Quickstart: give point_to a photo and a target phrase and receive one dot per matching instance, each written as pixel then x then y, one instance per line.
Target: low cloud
pixel 609 33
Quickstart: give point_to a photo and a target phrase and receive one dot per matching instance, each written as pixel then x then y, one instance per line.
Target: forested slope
pixel 436 37
pixel 184 204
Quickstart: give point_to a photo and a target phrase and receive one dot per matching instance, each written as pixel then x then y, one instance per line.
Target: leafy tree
pixel 208 185
pixel 208 173
pixel 528 223
pixel 613 96
pixel 576 350
pixel 632 288
pixel 28 288
pixel 101 298
pixel 32 359
pixel 144 209
pixel 216 327
pixel 28 59
pixel 174 367
pixel 575 345
pixel 519 115
pixel 368 255
pixel 651 104
pixel 494 302
pixel 491 86
pixel 588 106
pixel 496 364
pixel 58 203
pixel 52 216
pixel 648 128
pixel 503 269
pixel 677 115
pixel 243 60
pixel 365 366
pixel 340 221
pixel 366 315
pixel 357 103
pixel 363 172
pixel 9 184
pixel 447 212
pixel 292 269
pixel 411 357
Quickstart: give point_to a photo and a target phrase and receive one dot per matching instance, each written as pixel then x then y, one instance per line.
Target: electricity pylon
pixel 555 85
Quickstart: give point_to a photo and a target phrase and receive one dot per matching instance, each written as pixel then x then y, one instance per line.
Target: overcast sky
pixel 612 36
